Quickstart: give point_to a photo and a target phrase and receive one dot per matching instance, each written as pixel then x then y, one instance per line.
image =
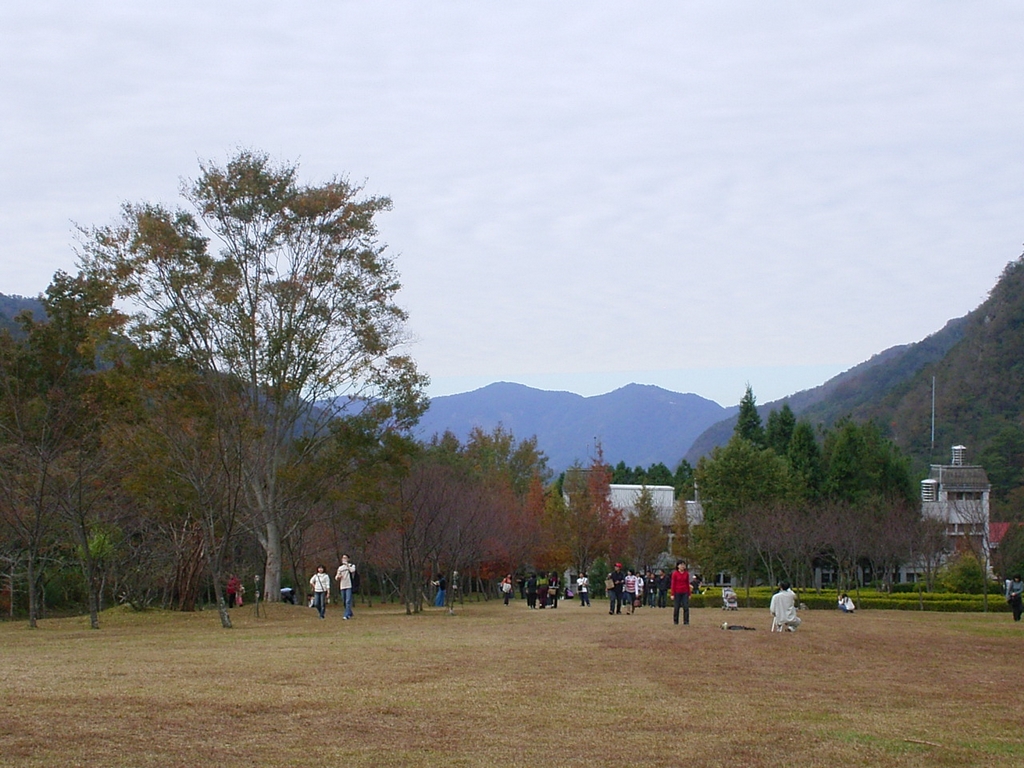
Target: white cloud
pixel 578 188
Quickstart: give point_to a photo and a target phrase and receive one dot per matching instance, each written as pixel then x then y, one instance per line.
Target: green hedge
pixel 994 587
pixel 760 597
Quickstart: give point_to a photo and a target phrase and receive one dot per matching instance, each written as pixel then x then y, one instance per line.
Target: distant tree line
pixel 781 499
pixel 220 390
pixel 657 474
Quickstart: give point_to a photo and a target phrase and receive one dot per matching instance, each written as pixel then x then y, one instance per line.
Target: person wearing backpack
pixel 346 581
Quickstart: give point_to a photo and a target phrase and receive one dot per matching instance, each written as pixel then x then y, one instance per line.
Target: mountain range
pixel 639 423
pixel 973 367
pixel 850 392
pixel 12 306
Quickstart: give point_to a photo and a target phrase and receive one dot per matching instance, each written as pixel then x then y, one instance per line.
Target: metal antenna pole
pixel 933 414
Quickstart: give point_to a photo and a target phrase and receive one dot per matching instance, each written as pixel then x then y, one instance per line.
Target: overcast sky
pixel 693 195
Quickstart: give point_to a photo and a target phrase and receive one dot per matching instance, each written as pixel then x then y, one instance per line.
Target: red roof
pixel 996 531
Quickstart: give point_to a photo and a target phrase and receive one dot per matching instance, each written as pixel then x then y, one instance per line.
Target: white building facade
pixel 957 494
pixel 624 497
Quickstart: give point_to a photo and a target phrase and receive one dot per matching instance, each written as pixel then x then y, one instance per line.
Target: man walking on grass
pixel 614 584
pixel 346 571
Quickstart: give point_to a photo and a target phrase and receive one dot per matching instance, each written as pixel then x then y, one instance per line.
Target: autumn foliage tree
pixel 51 416
pixel 282 295
pixel 594 528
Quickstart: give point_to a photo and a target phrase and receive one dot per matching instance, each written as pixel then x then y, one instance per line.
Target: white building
pixel 624 497
pixel 958 495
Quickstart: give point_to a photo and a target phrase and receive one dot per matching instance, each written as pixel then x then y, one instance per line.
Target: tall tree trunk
pixel 189 572
pixel 222 605
pixel 94 603
pixel 33 592
pixel 272 548
pixel 89 571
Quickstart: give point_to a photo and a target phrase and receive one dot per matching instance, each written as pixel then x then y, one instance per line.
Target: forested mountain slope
pixel 11 306
pixel 978 365
pixel 979 391
pixel 851 390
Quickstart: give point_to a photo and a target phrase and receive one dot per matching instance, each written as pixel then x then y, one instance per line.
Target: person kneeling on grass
pixel 846 604
pixel 783 608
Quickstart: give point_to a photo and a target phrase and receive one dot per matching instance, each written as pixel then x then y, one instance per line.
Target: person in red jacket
pixel 235 590
pixel 680 586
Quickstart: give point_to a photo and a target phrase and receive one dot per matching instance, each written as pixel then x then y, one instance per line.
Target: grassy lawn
pixel 497 686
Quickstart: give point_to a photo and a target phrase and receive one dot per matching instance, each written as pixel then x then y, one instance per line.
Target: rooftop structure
pixel 624 497
pixel 958 494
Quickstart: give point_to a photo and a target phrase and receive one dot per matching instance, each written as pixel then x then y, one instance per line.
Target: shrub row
pixel 760 597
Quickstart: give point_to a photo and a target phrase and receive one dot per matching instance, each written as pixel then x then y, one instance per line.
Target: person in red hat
pixel 615 581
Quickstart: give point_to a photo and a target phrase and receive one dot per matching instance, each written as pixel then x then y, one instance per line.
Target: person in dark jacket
pixel 661 580
pixel 1015 596
pixel 617 579
pixel 531 591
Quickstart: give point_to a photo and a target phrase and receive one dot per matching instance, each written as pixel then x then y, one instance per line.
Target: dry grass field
pixel 497 686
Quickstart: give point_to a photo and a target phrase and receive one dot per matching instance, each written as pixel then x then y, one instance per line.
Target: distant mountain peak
pixel 640 424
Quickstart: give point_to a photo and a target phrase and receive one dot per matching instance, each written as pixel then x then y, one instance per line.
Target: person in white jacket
pixel 783 609
pixel 321 584
pixel 583 588
pixel 344 577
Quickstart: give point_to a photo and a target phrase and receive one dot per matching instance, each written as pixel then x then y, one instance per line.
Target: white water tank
pixel 929 489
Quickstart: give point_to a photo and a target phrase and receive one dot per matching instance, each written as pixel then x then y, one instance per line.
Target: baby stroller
pixel 729 601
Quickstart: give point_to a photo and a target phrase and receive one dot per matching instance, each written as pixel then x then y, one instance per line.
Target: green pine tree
pixel 748 421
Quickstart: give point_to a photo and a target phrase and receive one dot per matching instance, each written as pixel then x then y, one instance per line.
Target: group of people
pixel 541 591
pixel 635 590
pixel 628 587
pixel 321 585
